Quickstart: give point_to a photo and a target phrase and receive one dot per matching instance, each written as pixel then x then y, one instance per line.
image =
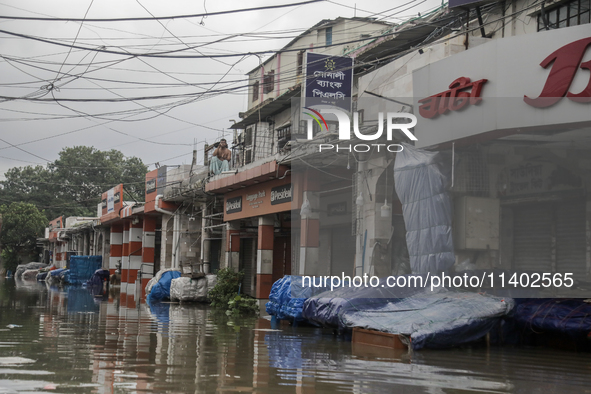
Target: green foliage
pixel 225 296
pixel 72 185
pixel 242 305
pixel 22 224
pixel 226 288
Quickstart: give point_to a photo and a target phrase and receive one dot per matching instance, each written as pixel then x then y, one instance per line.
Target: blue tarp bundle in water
pixel 57 272
pixel 161 290
pixel 568 316
pixel 287 297
pixel 65 276
pixel 424 318
pixel 83 267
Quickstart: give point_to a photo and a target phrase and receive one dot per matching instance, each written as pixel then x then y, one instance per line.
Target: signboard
pixel 528 87
pixel 260 199
pixel 110 201
pixel 336 209
pixel 150 186
pixel 329 80
pixel 234 205
pixel 536 177
pixel 281 194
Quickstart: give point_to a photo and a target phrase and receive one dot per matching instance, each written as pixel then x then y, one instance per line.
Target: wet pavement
pixel 67 341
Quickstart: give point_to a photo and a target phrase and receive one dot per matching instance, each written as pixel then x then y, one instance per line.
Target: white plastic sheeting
pixel 421 180
pixel 192 290
pixel 156 278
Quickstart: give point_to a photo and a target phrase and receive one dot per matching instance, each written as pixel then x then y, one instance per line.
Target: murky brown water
pixel 69 342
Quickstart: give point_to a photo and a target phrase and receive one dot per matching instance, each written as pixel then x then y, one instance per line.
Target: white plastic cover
pixel 421 179
pixel 191 290
pixel 156 278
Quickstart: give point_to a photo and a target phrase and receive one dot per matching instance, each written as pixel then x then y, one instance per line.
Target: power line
pixel 131 19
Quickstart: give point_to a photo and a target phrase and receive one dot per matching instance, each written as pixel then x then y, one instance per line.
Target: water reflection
pixel 81 344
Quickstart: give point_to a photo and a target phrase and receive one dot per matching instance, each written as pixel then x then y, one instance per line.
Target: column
pixel 265 256
pixel 310 225
pixel 116 247
pixel 125 262
pixel 233 245
pixel 148 245
pixel 136 232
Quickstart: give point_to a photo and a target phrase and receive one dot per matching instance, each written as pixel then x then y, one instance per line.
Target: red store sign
pixel 454 99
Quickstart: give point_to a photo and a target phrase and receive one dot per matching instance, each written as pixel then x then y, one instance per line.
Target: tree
pixel 72 185
pixel 22 224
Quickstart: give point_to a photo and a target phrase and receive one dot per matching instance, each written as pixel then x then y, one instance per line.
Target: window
pixel 328 33
pixel 255 91
pixel 572 13
pixel 300 62
pixel 269 82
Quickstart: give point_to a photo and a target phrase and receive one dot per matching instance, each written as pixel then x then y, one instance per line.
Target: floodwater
pixel 67 341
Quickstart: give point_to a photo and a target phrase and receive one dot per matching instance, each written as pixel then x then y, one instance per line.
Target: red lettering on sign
pixel 454 99
pixel 565 63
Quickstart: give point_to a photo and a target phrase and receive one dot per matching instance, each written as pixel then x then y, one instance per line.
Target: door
pixel 248 265
pixel 281 257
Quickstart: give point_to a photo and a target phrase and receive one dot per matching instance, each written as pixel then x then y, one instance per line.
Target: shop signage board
pixel 531 81
pixel 329 80
pixel 259 199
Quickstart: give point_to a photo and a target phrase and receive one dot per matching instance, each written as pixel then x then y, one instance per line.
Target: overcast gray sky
pixel 164 130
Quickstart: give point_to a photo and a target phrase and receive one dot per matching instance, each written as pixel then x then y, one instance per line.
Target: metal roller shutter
pixel 570 237
pixel 533 238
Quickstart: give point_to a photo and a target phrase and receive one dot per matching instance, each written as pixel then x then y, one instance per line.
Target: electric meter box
pixel 476 223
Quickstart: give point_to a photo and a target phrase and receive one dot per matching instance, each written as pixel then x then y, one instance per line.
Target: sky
pixel 55 96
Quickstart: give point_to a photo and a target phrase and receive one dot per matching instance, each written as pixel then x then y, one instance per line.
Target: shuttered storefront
pixel 532 226
pixel 248 265
pixel 571 251
pixel 548 232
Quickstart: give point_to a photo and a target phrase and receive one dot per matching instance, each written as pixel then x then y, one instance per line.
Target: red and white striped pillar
pixel 136 233
pixel 310 225
pixel 265 256
pixel 233 245
pixel 148 245
pixel 125 258
pixel 116 247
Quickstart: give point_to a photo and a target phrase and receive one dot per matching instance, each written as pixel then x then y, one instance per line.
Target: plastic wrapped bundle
pixel 287 297
pixel 421 181
pixel 21 268
pixel 30 274
pixel 156 278
pixel 161 290
pixel 423 318
pixel 191 290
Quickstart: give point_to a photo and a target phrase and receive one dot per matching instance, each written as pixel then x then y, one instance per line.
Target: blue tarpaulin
pixel 566 316
pixel 83 267
pixel 423 318
pixel 161 290
pixel 287 297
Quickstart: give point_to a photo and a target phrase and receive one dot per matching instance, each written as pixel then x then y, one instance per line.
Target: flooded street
pixel 65 341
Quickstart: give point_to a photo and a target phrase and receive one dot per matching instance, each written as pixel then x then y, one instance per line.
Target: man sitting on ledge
pixel 220 160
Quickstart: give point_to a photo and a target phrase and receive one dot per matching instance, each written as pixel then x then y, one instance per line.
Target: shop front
pixel 520 140
pixel 258 239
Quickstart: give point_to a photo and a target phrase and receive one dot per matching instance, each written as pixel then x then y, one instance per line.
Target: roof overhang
pixel 268 108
